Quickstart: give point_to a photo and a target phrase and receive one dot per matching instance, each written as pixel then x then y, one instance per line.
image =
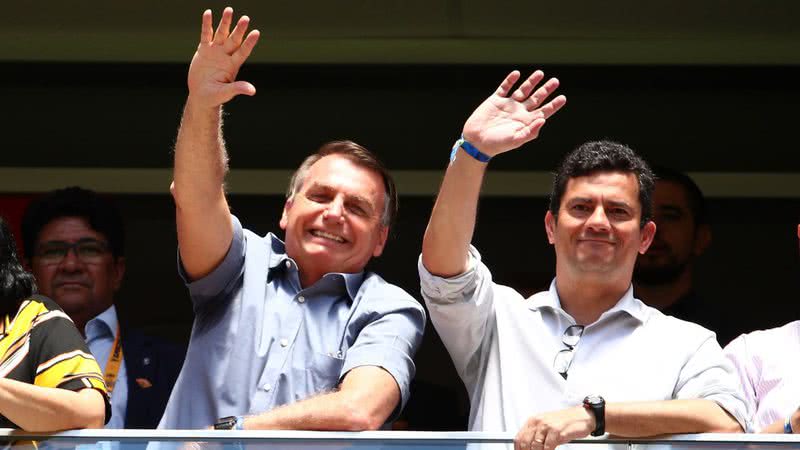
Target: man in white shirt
pixel 540 365
pixel 767 364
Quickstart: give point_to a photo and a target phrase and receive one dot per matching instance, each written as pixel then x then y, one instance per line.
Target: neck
pixel 586 298
pixel 663 296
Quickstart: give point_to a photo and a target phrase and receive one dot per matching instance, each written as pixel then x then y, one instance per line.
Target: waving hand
pixel 220 54
pixel 506 120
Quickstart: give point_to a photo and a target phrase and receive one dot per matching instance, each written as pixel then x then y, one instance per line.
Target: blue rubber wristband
pixel 787 425
pixel 239 425
pixel 470 150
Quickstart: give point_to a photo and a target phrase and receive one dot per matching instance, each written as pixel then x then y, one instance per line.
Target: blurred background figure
pixel 74 242
pixel 664 275
pixel 65 393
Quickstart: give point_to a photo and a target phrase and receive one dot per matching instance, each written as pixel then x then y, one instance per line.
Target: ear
pixel 702 239
pixel 384 234
pixel 284 219
pixel 119 272
pixel 648 233
pixel 550 226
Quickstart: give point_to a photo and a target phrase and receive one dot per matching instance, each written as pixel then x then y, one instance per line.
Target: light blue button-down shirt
pixel 260 341
pixel 100 333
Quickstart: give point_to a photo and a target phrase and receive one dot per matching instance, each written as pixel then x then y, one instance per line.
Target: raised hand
pixel 219 56
pixel 506 120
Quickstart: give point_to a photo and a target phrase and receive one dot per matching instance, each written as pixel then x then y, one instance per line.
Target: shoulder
pixel 682 330
pixel 380 295
pixel 782 336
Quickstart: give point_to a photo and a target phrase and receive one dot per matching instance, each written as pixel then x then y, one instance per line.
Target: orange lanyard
pixel 113 364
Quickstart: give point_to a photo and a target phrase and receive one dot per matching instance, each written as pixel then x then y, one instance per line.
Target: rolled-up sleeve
pixel 709 375
pixel 223 279
pixel 461 308
pixel 738 354
pixel 395 323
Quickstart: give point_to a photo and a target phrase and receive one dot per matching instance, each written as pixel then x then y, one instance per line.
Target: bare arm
pixel 777 426
pixel 365 399
pixel 202 214
pixel 503 122
pixel 37 408
pixel 628 419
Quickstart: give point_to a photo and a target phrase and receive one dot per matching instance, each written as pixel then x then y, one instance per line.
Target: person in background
pixel 48 379
pixel 74 242
pixel 664 275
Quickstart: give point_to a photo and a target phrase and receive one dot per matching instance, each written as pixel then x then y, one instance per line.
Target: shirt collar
pixel 279 262
pixel 104 323
pixel 628 304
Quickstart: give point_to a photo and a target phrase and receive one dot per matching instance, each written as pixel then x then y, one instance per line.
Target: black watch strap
pixel 597 405
pixel 226 423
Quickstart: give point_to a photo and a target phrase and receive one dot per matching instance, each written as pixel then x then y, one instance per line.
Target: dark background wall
pixel 93 94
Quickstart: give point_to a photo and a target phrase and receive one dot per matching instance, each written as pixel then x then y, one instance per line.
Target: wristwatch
pixel 230 423
pixel 597 405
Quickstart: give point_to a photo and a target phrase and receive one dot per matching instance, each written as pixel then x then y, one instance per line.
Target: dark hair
pixel 697 202
pixel 604 156
pixel 359 156
pixel 15 283
pixel 73 201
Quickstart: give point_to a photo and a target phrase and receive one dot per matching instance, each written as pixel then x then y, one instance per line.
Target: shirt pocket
pixel 322 371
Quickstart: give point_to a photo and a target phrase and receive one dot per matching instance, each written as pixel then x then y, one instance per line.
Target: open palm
pixel 504 122
pixel 220 55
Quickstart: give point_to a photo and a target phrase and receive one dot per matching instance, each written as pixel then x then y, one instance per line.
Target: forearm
pixel 332 412
pixel 36 408
pixel 640 419
pixel 202 214
pixel 452 223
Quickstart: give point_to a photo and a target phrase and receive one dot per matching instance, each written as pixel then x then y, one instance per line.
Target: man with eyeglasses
pixel 584 357
pixel 74 245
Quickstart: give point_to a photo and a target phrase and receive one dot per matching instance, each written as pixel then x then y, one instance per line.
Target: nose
pixel 335 210
pixel 598 221
pixel 71 262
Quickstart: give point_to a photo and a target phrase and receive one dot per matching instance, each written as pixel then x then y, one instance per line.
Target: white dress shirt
pixel 100 333
pixel 504 346
pixel 768 364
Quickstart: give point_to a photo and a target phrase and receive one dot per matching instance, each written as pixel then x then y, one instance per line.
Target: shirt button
pixel 267 387
pixel 301 299
pixel 288 264
pixel 284 342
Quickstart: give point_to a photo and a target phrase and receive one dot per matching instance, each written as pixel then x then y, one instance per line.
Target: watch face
pixel 226 423
pixel 593 399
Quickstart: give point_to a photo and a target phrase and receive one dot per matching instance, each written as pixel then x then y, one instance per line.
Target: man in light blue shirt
pixel 294 335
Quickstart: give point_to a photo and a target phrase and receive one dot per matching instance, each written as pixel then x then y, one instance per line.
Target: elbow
pixel 358 419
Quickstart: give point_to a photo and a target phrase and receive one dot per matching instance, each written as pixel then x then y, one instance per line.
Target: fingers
pixel 525 89
pixel 207 28
pixel 244 50
pixel 224 27
pixel 235 39
pixel 553 106
pixel 507 84
pixel 237 88
pixel 541 94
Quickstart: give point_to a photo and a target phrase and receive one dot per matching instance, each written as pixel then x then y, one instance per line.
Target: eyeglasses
pixel 89 251
pixel 572 335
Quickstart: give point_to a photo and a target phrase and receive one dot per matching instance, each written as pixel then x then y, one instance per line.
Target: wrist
pixel 471 150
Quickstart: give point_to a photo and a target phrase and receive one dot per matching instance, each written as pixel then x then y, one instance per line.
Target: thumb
pixel 231 90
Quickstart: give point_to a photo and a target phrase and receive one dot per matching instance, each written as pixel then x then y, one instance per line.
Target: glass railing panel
pixel 379 440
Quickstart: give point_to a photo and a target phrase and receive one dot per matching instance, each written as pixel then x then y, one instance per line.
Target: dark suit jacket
pixel 153 365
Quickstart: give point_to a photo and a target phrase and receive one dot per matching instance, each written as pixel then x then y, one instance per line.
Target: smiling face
pixel 333 223
pixel 597 231
pixel 83 287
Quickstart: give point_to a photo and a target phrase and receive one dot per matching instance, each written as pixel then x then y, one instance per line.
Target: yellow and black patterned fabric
pixel 41 346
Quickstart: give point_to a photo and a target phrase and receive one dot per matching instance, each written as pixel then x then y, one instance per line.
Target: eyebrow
pixel 79 241
pixel 359 199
